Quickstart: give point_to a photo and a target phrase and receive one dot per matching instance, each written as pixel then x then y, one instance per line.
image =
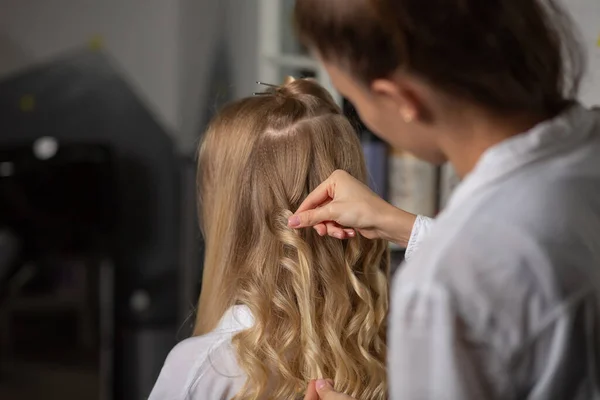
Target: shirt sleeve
pixel 430 355
pixel 419 232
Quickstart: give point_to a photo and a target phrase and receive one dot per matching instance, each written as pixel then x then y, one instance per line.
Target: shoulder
pixel 197 367
pixel 533 225
pixel 475 253
pixel 201 367
pixel 499 270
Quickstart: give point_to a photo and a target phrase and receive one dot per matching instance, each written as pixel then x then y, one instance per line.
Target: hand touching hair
pixel 319 304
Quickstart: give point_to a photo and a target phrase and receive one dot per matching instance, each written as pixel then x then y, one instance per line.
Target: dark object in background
pixel 375 150
pixel 82 104
pixel 10 247
pixel 66 203
pixel 60 202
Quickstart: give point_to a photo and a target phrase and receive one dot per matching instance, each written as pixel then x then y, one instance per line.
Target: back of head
pixel 319 304
pixel 504 55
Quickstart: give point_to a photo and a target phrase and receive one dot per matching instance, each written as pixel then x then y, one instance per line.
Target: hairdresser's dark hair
pixel 505 55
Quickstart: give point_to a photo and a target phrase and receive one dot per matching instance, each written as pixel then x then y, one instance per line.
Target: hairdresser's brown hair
pixel 504 55
pixel 319 304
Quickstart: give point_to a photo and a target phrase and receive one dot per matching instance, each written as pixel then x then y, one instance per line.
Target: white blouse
pixel 205 367
pixel 502 299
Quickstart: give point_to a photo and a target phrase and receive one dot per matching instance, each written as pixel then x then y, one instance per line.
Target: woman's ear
pixel 399 96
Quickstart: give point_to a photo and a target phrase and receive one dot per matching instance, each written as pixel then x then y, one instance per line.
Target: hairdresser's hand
pixel 343 202
pixel 323 390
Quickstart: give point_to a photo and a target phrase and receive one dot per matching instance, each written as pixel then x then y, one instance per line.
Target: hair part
pixel 504 55
pixel 319 304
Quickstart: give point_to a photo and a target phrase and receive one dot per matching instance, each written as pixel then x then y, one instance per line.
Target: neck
pixel 470 140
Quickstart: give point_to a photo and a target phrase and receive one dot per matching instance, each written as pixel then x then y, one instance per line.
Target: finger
pixel 326 392
pixel 321 229
pixel 314 217
pixel 334 230
pixel 316 198
pixel 311 392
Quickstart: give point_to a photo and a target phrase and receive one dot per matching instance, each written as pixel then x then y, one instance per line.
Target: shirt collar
pixel 236 319
pixel 566 130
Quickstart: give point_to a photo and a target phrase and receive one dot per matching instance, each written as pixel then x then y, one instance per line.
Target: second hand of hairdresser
pixel 501 300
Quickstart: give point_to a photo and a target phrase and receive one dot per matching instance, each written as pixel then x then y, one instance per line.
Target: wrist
pixel 396 225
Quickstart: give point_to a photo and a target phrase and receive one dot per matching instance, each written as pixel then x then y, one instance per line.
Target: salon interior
pixel 102 105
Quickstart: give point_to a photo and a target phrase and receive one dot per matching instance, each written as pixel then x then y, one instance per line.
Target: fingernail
pixel 352 233
pixel 322 384
pixel 293 221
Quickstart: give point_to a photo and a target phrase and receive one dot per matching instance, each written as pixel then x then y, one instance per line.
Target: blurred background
pixel 102 104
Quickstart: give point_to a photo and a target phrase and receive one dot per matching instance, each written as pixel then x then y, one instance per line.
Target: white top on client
pixel 205 367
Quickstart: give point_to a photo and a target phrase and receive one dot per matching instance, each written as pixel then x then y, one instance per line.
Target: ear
pixel 399 96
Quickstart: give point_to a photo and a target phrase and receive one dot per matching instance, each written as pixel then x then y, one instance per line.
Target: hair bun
pixel 288 79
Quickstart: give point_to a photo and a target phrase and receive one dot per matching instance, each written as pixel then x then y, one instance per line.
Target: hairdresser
pixel 501 298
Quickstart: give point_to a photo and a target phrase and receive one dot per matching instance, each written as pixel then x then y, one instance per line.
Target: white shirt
pixel 205 367
pixel 502 298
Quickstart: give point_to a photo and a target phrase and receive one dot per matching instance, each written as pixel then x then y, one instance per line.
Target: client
pixel 280 307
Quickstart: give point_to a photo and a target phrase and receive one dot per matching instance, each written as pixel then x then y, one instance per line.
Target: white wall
pixel 165 48
pixel 140 34
pixel 200 29
pixel 586 14
pixel 242 17
pixel 219 41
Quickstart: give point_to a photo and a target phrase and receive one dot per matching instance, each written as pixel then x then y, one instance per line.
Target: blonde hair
pixel 319 304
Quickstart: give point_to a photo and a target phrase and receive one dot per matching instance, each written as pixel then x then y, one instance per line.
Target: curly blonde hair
pixel 319 304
